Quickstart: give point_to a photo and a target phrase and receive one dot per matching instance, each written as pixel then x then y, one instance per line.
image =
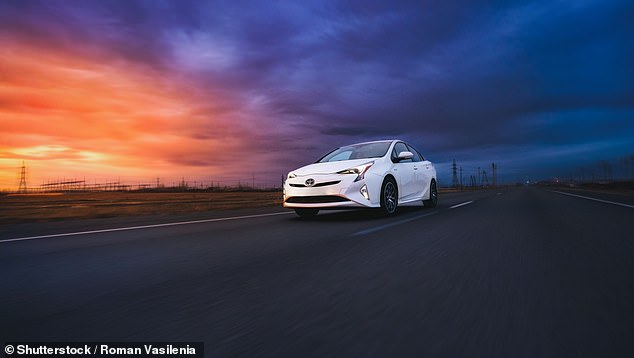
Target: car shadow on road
pixel 356 215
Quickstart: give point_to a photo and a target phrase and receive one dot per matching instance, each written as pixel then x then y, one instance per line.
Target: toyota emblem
pixel 310 182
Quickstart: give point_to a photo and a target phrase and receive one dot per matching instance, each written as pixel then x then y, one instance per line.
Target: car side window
pixel 398 148
pixel 421 156
pixel 417 157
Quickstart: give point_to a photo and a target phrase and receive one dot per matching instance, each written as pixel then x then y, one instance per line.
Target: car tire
pixel 306 212
pixel 389 196
pixel 433 195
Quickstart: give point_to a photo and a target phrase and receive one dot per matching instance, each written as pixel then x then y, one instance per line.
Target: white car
pixel 381 174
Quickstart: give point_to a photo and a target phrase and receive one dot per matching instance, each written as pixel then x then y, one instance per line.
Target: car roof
pixel 375 141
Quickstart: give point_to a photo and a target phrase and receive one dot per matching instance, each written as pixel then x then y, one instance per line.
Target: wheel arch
pixel 386 177
pixel 389 175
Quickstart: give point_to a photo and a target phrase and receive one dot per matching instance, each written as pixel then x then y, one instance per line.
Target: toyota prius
pixel 382 174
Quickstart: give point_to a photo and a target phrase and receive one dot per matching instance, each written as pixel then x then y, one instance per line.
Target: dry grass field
pixel 16 208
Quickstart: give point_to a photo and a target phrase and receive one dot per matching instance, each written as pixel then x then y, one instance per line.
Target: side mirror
pixel 405 155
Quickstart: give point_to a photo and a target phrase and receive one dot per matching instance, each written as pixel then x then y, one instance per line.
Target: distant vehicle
pixel 381 174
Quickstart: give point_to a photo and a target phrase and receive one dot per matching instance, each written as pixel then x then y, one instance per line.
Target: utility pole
pixel 494 174
pixel 479 177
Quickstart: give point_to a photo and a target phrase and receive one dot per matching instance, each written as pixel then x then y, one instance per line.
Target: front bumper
pixel 328 191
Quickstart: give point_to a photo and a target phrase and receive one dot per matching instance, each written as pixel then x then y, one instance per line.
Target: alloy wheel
pixel 389 195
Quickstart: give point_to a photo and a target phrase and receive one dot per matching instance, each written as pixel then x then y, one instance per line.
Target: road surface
pixel 521 272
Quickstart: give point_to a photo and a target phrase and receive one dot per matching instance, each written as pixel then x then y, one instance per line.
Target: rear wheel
pixel 306 212
pixel 433 195
pixel 389 196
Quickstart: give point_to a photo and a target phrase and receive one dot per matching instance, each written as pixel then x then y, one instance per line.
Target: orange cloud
pixel 70 116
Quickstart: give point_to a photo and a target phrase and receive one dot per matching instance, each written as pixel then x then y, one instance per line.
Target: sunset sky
pixel 135 90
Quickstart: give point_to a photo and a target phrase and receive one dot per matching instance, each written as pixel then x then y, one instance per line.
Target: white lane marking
pixel 395 223
pixel 595 199
pixel 461 204
pixel 144 226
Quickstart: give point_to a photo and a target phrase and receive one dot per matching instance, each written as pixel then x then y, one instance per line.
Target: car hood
pixel 330 167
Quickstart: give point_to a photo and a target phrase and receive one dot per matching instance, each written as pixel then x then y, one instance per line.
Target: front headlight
pixel 291 176
pixel 360 170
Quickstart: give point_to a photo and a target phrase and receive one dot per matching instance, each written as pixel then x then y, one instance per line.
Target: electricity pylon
pixel 454 170
pixel 22 186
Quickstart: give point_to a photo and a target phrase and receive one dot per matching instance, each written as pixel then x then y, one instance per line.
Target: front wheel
pixel 306 212
pixel 433 195
pixel 389 196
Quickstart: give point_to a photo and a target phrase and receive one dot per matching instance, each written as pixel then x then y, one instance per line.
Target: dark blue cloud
pixel 535 86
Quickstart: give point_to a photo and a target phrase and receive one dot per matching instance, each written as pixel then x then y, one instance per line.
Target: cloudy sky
pixel 222 90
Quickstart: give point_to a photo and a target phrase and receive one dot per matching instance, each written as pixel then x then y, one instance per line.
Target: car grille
pixel 326 183
pixel 317 199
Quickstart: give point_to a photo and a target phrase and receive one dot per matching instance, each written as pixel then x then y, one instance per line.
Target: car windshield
pixel 357 151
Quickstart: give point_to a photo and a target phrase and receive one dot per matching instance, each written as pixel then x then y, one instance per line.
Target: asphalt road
pixel 522 272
